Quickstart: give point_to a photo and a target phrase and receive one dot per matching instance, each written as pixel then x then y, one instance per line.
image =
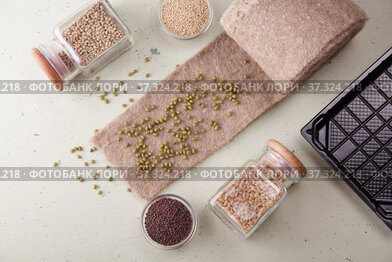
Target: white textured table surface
pixel 68 221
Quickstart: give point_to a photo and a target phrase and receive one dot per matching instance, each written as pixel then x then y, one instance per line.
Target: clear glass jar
pixel 207 25
pixel 247 199
pixel 98 34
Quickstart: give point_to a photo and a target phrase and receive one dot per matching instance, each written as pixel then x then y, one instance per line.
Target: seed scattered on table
pixel 177 113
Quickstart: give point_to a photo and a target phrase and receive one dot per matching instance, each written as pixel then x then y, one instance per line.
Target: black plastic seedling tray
pixel 354 135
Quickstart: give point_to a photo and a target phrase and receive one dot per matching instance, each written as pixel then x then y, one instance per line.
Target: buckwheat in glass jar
pixel 246 201
pixel 85 42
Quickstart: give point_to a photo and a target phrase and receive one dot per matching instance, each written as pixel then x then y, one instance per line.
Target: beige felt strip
pixel 222 58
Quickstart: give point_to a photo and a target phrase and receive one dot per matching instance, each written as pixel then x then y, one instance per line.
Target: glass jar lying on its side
pixel 245 202
pixel 85 42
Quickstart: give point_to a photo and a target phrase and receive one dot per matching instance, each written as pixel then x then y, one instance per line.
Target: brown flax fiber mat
pixel 224 59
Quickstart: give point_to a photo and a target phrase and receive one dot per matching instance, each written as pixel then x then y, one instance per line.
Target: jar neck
pixel 278 169
pixel 59 60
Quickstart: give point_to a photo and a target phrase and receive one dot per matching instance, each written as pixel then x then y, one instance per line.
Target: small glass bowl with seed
pixel 168 222
pixel 185 19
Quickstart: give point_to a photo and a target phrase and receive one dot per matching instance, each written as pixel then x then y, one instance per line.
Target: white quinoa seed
pixel 92 33
pixel 185 18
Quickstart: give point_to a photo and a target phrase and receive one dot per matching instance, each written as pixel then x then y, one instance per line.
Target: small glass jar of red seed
pixel 83 43
pixel 249 197
pixel 168 222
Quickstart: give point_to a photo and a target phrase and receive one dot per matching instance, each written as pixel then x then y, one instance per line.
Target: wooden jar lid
pixel 47 68
pixel 291 159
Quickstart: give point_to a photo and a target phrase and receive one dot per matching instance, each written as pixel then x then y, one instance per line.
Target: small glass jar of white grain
pixel 246 201
pixel 87 40
pixel 185 19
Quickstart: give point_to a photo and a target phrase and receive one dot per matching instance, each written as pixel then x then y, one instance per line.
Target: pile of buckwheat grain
pixel 185 18
pixel 92 34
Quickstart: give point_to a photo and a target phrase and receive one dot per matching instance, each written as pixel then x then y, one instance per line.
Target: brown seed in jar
pixel 255 196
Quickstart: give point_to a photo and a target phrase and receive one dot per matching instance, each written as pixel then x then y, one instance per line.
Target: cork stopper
pixel 291 159
pixel 47 68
